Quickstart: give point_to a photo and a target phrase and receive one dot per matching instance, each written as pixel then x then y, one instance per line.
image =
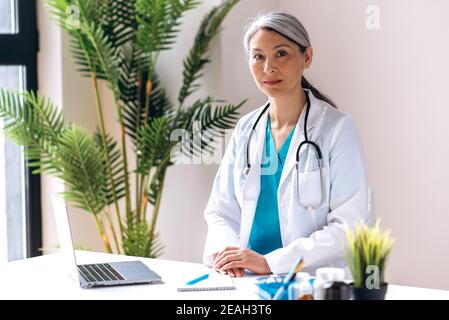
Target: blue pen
pixel 203 277
pixel 294 269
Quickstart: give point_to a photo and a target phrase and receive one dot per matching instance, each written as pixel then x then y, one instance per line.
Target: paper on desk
pixel 215 281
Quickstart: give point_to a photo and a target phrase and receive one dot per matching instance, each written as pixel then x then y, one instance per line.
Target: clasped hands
pixel 234 261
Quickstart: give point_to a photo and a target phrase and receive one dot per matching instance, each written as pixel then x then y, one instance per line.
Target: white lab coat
pixel 319 235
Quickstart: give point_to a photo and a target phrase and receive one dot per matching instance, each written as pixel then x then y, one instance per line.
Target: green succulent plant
pixel 119 42
pixel 368 249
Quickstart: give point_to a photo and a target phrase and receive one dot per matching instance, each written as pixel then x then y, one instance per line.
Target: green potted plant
pixel 118 42
pixel 367 253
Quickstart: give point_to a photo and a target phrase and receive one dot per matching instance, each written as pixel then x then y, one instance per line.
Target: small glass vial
pixel 324 279
pixel 318 286
pixel 301 289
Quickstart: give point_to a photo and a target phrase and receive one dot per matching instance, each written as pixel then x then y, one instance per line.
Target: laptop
pixel 96 274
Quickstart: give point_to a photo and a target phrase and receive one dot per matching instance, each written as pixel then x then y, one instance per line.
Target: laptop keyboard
pixel 99 272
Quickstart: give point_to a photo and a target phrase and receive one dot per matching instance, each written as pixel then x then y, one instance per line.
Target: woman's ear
pixel 308 56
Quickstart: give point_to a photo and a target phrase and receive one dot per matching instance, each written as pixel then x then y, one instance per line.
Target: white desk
pixel 46 278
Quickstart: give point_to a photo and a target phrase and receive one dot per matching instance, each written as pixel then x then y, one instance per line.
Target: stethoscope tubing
pixel 306 141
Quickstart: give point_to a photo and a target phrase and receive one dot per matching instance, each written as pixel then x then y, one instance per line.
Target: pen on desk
pixel 200 278
pixel 295 268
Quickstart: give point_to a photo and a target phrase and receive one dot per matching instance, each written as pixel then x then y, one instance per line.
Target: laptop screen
pixel 65 235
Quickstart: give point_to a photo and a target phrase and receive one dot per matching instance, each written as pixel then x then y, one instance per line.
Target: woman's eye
pixel 257 56
pixel 282 53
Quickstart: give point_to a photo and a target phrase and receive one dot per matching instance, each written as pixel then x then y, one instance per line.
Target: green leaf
pixel 31 121
pixel 116 163
pixel 92 47
pixel 204 123
pixel 80 164
pixel 118 20
pixel 138 241
pixel 105 54
pixel 85 56
pixel 133 77
pixel 153 144
pixel 196 58
pixel 158 21
pixel 367 247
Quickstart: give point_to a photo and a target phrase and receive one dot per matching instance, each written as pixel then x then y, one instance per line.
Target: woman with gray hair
pixel 293 175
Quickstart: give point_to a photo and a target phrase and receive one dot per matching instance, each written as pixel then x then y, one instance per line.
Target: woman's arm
pixel 223 212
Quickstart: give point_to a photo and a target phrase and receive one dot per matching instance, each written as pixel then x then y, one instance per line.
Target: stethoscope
pixel 306 141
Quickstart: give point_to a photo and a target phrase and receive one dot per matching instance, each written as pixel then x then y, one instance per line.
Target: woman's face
pixel 276 63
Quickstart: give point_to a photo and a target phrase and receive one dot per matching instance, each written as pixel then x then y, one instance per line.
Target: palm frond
pixel 50 117
pixel 196 58
pixel 134 74
pixel 80 164
pixel 68 15
pixel 160 103
pixel 138 241
pixel 116 163
pixel 69 12
pixel 91 46
pixel 31 121
pixel 20 121
pixel 106 54
pixel 118 20
pixel 159 22
pixel 204 123
pixel 85 57
pixel 153 144
pixel 28 117
pixel 155 187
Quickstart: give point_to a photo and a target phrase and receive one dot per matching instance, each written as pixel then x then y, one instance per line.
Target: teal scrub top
pixel 265 233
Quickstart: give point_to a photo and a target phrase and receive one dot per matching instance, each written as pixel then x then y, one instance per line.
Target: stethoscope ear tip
pixel 246 171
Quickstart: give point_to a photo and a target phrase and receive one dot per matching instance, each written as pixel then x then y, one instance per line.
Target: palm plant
pixel 119 42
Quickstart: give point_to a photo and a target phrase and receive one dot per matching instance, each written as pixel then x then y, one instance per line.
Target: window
pixel 8 17
pixel 20 212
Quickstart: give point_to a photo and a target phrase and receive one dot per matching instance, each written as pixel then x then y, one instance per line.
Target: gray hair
pixel 288 26
pixel 280 22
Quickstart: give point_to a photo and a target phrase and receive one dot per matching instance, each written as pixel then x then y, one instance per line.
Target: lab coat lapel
pixel 298 135
pixel 251 188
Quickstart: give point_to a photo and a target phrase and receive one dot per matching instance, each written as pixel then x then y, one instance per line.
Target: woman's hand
pixel 232 258
pixel 234 272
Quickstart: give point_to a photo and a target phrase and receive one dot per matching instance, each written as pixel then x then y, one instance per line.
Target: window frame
pixel 21 49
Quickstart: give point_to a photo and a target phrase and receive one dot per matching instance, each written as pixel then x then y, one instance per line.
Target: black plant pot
pixel 364 293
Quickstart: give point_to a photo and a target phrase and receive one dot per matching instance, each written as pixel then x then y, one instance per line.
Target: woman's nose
pixel 269 66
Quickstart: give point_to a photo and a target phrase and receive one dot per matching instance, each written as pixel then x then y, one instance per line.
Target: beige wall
pixel 50 84
pixel 391 80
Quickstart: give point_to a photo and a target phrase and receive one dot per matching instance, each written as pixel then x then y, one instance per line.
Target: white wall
pixel 50 84
pixel 394 82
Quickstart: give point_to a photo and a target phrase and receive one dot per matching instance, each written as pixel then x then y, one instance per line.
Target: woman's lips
pixel 271 83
